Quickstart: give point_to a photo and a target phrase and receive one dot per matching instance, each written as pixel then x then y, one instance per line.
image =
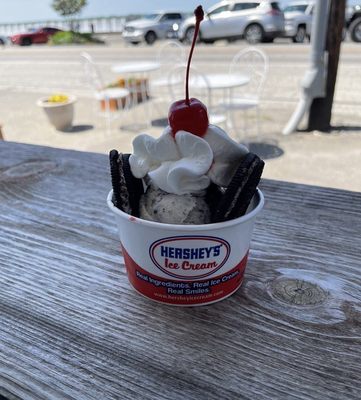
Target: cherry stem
pixel 198 12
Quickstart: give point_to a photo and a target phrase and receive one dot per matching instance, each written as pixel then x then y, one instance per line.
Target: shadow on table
pixel 345 128
pixel 160 122
pixel 134 128
pixel 336 128
pixel 78 128
pixel 266 149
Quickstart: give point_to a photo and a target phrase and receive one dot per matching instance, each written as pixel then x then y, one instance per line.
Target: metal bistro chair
pixel 198 86
pixel 101 93
pixel 169 55
pixel 253 63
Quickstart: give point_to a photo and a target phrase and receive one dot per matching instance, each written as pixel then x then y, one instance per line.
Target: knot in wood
pixel 27 169
pixel 298 292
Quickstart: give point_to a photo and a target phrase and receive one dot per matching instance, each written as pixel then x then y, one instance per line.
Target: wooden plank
pixel 72 328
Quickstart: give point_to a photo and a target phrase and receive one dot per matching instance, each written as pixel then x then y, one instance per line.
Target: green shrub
pixel 73 38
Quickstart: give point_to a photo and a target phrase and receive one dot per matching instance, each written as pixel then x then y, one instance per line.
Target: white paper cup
pixel 186 265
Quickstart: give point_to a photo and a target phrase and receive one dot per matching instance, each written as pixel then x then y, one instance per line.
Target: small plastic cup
pixel 186 265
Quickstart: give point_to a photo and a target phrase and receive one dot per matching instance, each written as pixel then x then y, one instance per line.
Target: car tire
pixel 26 42
pixel 150 38
pixel 2 43
pixel 134 43
pixel 355 30
pixel 300 35
pixel 254 33
pixel 188 36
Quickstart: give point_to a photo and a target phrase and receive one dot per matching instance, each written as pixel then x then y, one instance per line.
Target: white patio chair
pixel 198 87
pixel 253 63
pixel 169 55
pixel 95 82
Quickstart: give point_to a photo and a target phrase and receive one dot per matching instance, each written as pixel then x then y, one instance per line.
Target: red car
pixel 40 35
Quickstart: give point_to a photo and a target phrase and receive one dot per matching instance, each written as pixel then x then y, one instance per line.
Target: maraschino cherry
pixel 189 114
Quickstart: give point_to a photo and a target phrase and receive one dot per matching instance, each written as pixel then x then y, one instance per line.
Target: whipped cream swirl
pixel 186 163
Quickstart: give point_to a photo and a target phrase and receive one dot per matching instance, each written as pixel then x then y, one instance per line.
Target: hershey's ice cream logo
pixel 189 257
pixel 178 252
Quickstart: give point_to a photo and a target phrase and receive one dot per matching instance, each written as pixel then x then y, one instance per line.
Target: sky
pixel 39 10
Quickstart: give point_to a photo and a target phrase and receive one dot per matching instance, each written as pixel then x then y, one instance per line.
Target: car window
pixel 244 6
pixel 169 17
pixel 151 16
pixel 299 7
pixel 219 10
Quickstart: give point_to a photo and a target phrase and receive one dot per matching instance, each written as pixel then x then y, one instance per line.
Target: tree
pixel 68 7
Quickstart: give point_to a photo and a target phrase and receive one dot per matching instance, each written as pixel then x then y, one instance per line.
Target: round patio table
pixel 143 69
pixel 136 67
pixel 222 81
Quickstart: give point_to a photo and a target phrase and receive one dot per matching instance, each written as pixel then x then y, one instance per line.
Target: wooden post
pixel 321 108
pixel 1 134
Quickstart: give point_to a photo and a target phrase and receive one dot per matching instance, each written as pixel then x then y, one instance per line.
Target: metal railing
pixel 96 25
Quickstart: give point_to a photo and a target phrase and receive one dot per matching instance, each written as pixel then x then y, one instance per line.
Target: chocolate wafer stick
pixel 240 191
pixel 134 185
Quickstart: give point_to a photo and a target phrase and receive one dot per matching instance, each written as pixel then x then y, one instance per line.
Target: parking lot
pixel 28 73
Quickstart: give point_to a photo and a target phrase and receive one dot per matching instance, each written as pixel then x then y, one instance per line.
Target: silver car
pixel 298 16
pixel 256 21
pixel 152 27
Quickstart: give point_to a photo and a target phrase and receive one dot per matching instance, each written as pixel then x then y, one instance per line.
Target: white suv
pixel 256 21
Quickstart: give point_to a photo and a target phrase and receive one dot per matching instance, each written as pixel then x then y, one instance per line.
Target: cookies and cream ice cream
pixel 159 206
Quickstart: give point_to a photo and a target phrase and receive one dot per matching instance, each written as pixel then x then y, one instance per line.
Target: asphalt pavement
pixel 325 159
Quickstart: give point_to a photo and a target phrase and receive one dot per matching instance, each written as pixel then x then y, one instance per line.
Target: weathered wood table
pixel 73 328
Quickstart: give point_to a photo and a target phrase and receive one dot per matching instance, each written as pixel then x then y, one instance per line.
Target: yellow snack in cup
pixel 58 98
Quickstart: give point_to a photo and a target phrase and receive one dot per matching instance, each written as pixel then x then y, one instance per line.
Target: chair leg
pixel 145 102
pixel 229 125
pixel 245 122
pixel 258 124
pixel 108 117
pixel 233 125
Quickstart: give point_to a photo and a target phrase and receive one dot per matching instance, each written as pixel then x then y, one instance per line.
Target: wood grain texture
pixel 72 327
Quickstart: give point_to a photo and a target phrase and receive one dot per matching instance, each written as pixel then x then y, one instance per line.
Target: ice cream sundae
pixel 185 204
